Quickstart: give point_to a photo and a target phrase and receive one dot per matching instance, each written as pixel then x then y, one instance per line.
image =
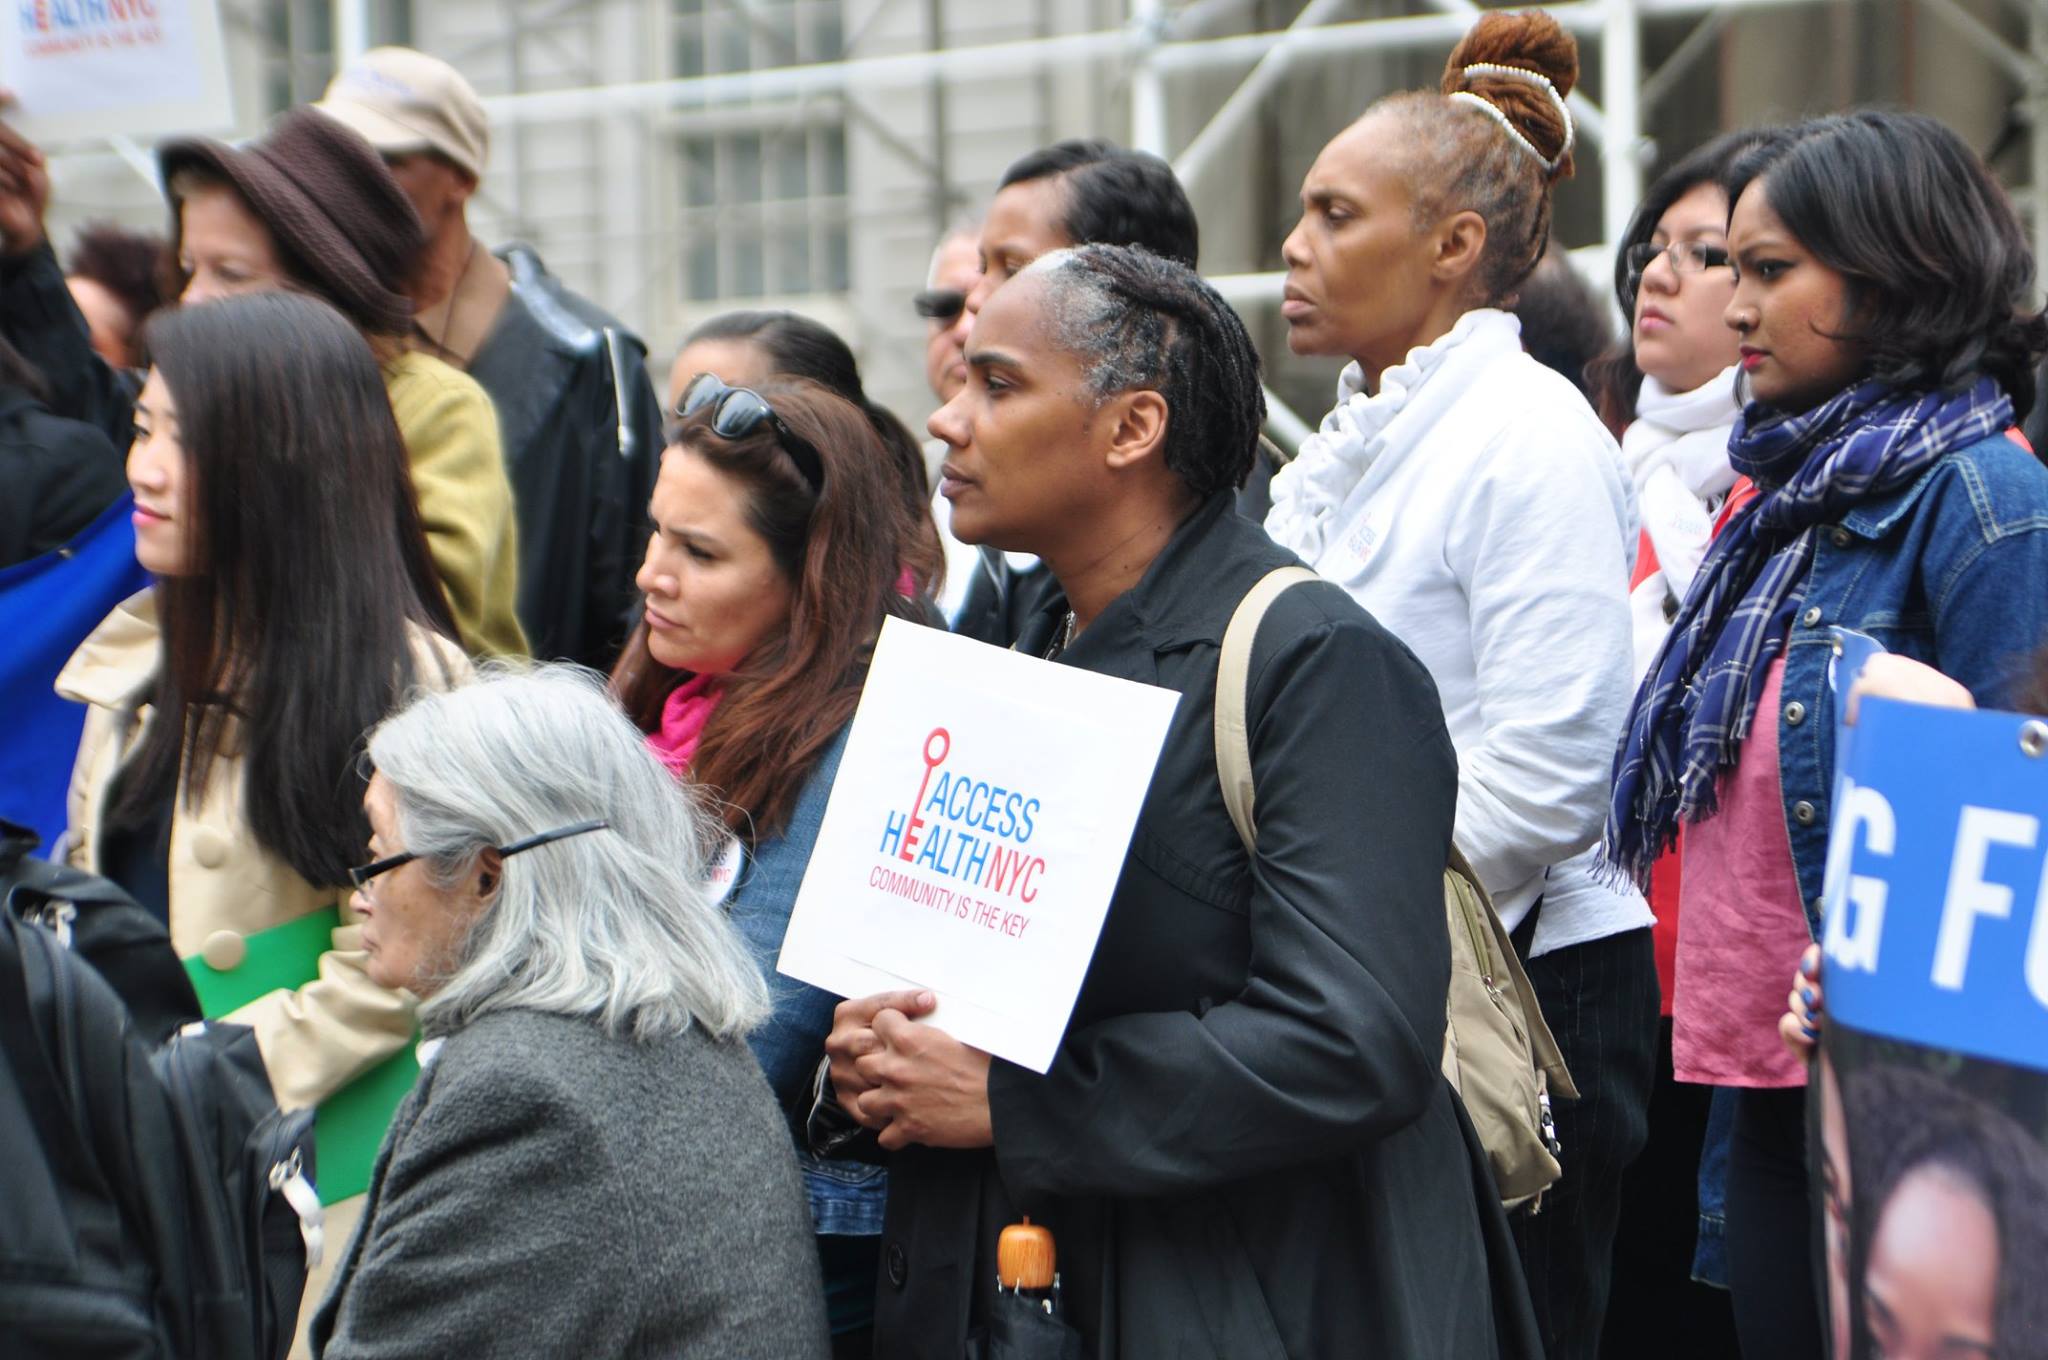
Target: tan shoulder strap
pixel 1233 678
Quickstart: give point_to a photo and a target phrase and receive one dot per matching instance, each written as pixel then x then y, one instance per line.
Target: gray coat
pixel 549 1191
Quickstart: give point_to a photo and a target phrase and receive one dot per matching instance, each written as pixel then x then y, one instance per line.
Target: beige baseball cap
pixel 401 100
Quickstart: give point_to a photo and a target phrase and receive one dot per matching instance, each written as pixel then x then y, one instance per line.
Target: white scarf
pixel 1335 464
pixel 1677 454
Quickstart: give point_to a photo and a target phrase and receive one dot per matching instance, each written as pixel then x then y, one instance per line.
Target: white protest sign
pixel 98 68
pixel 974 836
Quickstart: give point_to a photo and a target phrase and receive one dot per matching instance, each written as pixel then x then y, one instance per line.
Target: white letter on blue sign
pixel 1969 896
pixel 1855 924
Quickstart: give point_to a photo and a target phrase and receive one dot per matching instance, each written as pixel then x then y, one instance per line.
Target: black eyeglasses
pixel 940 304
pixel 737 412
pixel 364 873
pixel 1686 257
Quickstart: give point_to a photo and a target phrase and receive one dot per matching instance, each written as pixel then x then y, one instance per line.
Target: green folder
pixel 349 1126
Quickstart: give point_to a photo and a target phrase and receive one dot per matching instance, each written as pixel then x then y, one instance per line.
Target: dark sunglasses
pixel 939 304
pixel 737 412
pixel 364 873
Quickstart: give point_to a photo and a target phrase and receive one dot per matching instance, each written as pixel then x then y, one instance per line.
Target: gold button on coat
pixel 224 950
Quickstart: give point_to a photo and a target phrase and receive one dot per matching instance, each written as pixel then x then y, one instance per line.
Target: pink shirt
pixel 1741 928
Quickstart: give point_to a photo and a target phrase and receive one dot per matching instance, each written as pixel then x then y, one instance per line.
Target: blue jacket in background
pixel 846 1197
pixel 1951 571
pixel 47 606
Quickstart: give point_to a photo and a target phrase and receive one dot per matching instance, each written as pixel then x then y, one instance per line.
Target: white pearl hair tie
pixel 1491 110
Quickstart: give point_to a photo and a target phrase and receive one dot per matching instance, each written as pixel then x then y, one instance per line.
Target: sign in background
pixel 974 836
pixel 97 68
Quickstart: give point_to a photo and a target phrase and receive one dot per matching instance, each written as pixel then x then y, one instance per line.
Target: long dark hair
pixel 1613 380
pixel 307 564
pixel 837 547
pixel 1939 272
pixel 798 347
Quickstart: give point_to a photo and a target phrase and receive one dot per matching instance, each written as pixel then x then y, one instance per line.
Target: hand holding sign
pixel 926 1087
pixel 853 1037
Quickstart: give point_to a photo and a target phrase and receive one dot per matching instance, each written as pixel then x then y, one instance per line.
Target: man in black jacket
pixel 576 411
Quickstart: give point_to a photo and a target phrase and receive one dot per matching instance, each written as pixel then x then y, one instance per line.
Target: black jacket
pixel 1245 1147
pixel 59 476
pixel 39 318
pixel 581 430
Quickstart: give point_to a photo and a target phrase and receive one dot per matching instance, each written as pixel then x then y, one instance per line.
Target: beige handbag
pixel 1498 1052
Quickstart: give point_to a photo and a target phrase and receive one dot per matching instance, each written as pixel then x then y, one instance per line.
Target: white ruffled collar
pixel 1309 492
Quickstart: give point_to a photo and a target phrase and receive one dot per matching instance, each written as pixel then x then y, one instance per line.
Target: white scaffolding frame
pixel 1147 52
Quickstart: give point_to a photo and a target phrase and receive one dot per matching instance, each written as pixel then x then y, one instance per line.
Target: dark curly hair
pixel 1138 321
pixel 1902 1120
pixel 1939 272
pixel 132 265
pixel 1459 159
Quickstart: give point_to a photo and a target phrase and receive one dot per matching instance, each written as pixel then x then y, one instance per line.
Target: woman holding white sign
pixel 1244 1144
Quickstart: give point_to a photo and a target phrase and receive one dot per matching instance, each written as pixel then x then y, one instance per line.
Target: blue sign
pixel 1935 922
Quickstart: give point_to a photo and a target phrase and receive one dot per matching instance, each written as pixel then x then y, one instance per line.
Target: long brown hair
pixel 838 547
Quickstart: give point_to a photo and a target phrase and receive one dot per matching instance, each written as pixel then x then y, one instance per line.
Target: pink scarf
pixel 683 716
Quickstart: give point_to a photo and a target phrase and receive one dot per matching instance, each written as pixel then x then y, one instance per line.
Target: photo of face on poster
pixel 1933 1199
pixel 1927 1108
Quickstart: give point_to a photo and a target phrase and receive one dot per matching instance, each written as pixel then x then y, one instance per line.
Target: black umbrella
pixel 1025 1323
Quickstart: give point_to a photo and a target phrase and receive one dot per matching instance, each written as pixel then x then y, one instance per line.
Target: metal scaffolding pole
pixel 1200 153
pixel 351 30
pixel 1025 56
pixel 1148 82
pixel 1621 79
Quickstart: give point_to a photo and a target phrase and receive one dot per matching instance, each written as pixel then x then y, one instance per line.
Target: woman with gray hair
pixel 591 1163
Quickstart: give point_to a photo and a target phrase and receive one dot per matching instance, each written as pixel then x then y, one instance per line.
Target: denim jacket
pixel 846 1197
pixel 1952 571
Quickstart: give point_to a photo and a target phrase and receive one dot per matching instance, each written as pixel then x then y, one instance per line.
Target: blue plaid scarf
pixel 1697 700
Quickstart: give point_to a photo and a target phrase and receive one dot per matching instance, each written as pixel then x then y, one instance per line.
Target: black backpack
pixel 151 1201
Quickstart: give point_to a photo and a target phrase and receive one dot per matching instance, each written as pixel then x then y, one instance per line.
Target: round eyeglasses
pixel 1684 257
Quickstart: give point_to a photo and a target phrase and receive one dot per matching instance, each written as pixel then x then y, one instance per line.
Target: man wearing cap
pixel 577 412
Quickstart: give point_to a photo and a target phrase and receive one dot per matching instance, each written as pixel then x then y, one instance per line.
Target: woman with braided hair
pixel 1244 1145
pixel 1472 502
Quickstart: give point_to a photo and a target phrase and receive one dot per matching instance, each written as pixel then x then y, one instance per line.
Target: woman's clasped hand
pixel 909 1082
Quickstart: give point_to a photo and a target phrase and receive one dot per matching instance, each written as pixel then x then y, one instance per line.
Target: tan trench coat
pixel 224 886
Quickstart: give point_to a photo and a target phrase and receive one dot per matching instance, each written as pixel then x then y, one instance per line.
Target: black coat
pixel 1245 1146
pixel 581 430
pixel 60 476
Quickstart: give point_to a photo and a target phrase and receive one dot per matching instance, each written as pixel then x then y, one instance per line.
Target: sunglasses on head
pixel 939 304
pixel 737 412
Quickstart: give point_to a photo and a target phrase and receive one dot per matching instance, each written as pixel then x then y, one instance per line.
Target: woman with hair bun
pixel 1884 310
pixel 1472 502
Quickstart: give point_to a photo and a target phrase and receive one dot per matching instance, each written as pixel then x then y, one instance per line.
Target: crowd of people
pixel 1574 626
